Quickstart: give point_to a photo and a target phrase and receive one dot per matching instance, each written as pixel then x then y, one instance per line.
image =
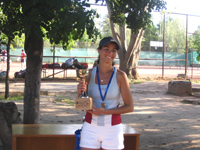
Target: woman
pixel 102 127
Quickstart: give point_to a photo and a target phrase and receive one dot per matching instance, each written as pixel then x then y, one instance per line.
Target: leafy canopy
pixel 196 43
pixel 135 13
pixel 9 25
pixel 61 21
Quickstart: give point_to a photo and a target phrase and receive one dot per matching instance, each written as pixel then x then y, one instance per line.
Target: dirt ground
pixel 163 120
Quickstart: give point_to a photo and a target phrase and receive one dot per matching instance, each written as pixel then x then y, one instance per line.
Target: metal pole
pixel 192 63
pixel 186 53
pixel 53 59
pixel 150 52
pixel 163 57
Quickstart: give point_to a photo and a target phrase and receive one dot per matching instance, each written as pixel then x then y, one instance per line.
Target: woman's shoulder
pixel 121 75
pixel 120 72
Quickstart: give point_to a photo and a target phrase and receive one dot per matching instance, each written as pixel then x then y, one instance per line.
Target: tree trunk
pixel 129 62
pixel 128 55
pixel 34 52
pixel 135 60
pixel 8 115
pixel 130 67
pixel 8 70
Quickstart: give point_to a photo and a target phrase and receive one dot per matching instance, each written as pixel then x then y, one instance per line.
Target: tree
pixel 18 41
pixel 134 15
pixel 196 42
pixel 174 34
pixel 9 27
pixel 61 21
pixel 150 34
pixel 84 42
pixel 105 25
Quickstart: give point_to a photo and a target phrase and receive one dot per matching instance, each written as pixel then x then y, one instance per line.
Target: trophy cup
pixel 84 102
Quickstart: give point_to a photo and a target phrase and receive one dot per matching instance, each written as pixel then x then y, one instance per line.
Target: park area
pixel 164 121
pixel 158 39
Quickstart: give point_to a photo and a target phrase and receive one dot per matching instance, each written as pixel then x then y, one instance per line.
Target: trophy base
pixel 84 103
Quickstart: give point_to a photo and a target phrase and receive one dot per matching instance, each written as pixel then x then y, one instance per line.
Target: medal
pixel 103 105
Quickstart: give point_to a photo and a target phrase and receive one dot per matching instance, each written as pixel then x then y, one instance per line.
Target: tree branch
pixel 122 30
pixel 133 47
pixel 114 33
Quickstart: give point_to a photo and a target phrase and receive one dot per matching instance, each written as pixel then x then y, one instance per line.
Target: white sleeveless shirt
pixel 112 100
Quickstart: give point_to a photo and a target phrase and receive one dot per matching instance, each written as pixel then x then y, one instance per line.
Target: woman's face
pixel 108 53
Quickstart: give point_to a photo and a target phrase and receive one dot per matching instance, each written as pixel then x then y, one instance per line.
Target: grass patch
pixel 65 99
pixel 13 98
pixel 169 93
pixel 196 81
pixel 184 102
pixel 134 81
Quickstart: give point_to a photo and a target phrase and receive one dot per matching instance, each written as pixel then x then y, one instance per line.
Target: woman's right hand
pixel 81 87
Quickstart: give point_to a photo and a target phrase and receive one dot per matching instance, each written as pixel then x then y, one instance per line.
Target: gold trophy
pixel 84 102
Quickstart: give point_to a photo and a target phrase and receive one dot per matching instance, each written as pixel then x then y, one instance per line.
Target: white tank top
pixel 112 100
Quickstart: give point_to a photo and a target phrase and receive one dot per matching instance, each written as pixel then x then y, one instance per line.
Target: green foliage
pixel 4 38
pixel 18 41
pixel 4 41
pixel 196 43
pixel 13 98
pixel 197 81
pixel 151 34
pixel 134 81
pixel 60 21
pixel 65 99
pixel 9 23
pixel 174 34
pixel 105 27
pixel 135 13
pixel 85 42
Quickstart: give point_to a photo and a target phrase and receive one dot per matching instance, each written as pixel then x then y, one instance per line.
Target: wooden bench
pixel 66 72
pixel 58 137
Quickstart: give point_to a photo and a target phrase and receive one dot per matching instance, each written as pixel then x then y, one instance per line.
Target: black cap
pixel 107 40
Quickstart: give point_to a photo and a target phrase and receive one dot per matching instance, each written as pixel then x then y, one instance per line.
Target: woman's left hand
pixel 97 111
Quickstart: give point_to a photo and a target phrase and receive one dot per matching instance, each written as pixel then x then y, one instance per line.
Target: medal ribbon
pixel 97 72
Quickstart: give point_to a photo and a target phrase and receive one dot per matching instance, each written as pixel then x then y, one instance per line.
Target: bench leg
pixel 131 142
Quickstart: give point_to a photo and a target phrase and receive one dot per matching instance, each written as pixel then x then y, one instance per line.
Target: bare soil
pixel 165 122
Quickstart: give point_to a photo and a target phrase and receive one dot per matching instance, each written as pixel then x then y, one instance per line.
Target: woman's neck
pixel 105 68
